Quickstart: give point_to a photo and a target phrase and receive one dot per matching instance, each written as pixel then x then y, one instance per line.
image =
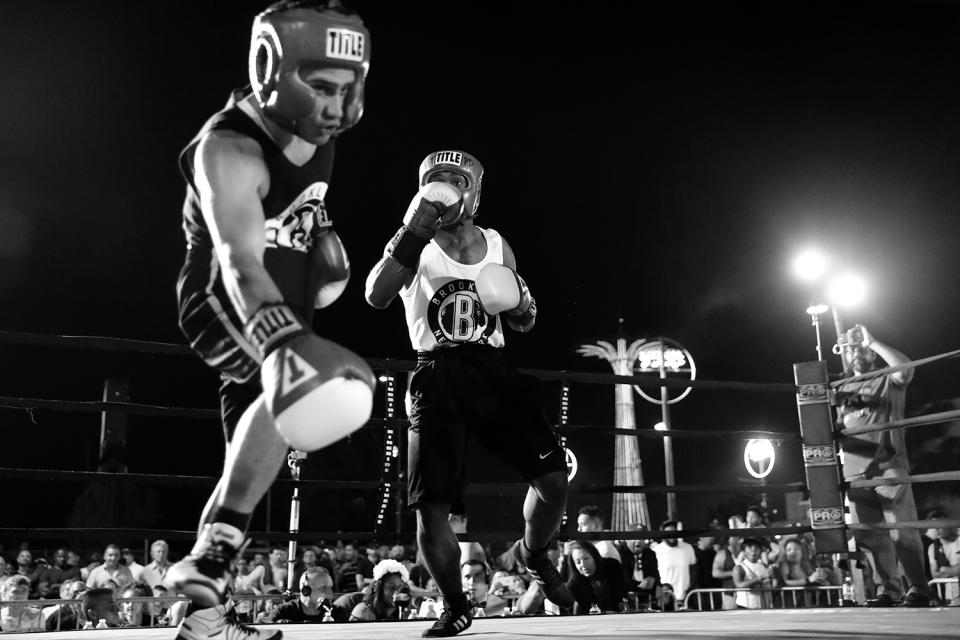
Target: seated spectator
pixel 111 569
pixel 53 577
pixel 314 603
pixel 474 576
pixel 26 568
pixel 667 598
pixel 100 604
pixel 4 567
pixel 751 572
pixel 270 604
pixel 593 579
pixel 276 569
pixel 419 574
pixel 310 558
pixel 158 613
pixel 353 569
pixel 19 617
pixel 382 597
pixel 944 556
pixel 248 577
pixel 66 616
pixel 131 611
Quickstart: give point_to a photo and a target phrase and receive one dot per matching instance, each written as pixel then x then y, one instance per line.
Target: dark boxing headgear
pixel 457 162
pixel 285 39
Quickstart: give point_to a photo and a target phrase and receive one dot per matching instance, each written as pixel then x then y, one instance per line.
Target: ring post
pixel 294 461
pixel 820 457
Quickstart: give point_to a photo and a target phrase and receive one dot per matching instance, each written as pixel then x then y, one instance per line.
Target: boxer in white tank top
pixel 459 286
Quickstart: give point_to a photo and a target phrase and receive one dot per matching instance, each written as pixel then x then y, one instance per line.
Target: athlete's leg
pixel 543 509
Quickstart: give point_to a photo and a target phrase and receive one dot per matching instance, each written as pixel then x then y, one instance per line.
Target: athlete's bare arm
pixel 230 178
pixel 385 281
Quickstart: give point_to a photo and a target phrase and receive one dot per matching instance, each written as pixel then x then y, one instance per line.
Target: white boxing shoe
pixel 217 623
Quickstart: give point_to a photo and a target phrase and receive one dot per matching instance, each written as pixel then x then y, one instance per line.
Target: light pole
pixel 661 355
pixel 815 311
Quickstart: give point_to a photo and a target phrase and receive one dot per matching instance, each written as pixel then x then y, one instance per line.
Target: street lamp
pixel 843 290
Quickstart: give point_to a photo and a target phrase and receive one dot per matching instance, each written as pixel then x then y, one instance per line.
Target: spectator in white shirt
pixel 154 572
pixel 110 570
pixel 676 561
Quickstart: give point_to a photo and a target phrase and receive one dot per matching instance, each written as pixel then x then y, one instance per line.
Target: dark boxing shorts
pixel 471 389
pixel 209 321
pixel 215 332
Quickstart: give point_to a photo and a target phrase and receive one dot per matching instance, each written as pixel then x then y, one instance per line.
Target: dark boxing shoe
pixel 882 600
pixel 915 599
pixel 453 620
pixel 204 574
pixel 541 569
pixel 217 623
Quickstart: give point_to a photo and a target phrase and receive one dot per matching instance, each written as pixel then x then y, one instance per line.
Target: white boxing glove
pixel 501 289
pixel 498 288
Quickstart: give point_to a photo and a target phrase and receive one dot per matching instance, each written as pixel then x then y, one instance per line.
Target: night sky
pixel 661 166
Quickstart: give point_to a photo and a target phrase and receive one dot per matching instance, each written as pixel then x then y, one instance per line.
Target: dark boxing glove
pixel 316 390
pixel 330 266
pixel 434 202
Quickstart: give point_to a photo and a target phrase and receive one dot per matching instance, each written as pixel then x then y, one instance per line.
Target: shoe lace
pixel 241 630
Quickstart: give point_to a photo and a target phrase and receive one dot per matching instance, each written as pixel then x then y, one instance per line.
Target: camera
pixel 855 337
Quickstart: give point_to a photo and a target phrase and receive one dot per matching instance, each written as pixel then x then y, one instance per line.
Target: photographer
pixel 314 603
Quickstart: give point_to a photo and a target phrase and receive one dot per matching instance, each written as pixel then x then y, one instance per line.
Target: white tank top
pixel 751 599
pixel 441 302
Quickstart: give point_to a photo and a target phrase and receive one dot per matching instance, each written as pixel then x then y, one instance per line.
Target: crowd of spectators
pixel 345 581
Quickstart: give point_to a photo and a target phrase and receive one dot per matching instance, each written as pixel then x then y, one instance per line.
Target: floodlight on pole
pixel 810 265
pixel 847 290
pixel 660 426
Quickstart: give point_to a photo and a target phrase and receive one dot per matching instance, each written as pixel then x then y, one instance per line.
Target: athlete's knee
pixel 552 487
pixel 432 517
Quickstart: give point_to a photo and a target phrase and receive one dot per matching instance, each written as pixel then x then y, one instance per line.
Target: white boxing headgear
pixel 286 38
pixel 457 162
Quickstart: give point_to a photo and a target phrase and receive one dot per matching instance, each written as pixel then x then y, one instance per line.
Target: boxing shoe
pixel 219 623
pixel 455 618
pixel 541 569
pixel 204 574
pixel 882 600
pixel 915 599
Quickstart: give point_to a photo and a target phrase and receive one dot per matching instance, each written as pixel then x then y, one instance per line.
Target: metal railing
pixel 789 597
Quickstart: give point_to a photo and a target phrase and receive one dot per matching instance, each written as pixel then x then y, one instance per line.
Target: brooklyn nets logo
pixel 454 314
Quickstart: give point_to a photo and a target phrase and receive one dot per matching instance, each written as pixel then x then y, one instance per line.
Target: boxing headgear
pixel 284 40
pixel 457 162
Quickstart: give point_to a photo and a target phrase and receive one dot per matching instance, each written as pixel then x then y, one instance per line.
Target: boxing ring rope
pixel 391 422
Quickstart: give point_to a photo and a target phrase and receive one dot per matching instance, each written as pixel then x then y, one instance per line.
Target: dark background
pixel 659 164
